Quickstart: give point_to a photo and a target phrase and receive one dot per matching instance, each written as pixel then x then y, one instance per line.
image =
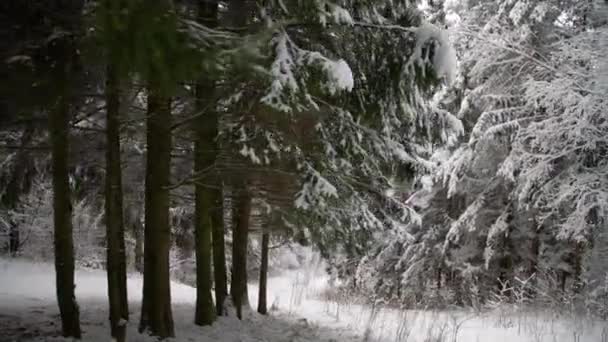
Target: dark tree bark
pixel 18 184
pixel 205 154
pixel 438 278
pixel 205 312
pixel 62 220
pixel 533 264
pixel 262 302
pixel 116 256
pixel 577 268
pixel 239 14
pixel 219 253
pixel 156 314
pixel 137 229
pixel 62 58
pixel 240 236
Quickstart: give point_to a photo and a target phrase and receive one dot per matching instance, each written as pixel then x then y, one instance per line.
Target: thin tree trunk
pixel 533 266
pixel 16 187
pixel 262 302
pixel 156 315
pixel 238 286
pixel 116 256
pixel 205 153
pixel 219 256
pixel 438 278
pixel 138 235
pixel 579 250
pixel 62 219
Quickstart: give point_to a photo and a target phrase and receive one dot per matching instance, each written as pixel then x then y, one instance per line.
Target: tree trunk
pixel 219 256
pixel 209 16
pixel 438 278
pixel 238 286
pixel 156 315
pixel 533 265
pixel 238 15
pixel 205 313
pixel 205 153
pixel 577 277
pixel 116 256
pixel 138 235
pixel 262 302
pixel 17 186
pixel 62 220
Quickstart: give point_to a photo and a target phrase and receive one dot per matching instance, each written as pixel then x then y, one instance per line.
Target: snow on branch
pixel 443 57
pixel 290 74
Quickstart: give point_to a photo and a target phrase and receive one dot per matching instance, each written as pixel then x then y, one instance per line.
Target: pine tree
pixel 262 300
pixel 219 256
pixel 156 316
pixel 240 236
pixel 516 195
pixel 116 254
pixel 205 151
pixel 63 53
pixel 62 212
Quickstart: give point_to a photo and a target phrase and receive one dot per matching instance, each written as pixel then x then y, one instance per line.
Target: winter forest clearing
pixel 304 170
pixel 300 313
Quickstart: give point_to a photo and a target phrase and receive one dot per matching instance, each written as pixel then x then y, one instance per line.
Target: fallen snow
pixel 298 314
pixel 28 311
pixel 303 293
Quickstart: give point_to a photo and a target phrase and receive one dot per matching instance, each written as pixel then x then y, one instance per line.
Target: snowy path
pixel 28 313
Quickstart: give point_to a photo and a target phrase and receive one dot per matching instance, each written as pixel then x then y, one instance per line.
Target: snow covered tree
pixel 520 195
pixel 526 122
pixel 346 109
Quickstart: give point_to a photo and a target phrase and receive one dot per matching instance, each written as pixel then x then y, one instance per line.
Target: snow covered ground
pixel 28 313
pixel 299 294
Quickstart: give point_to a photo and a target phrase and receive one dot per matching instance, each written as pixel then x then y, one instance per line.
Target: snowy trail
pixel 28 312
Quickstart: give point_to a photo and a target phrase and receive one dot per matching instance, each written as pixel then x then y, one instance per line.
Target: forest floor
pixel 28 313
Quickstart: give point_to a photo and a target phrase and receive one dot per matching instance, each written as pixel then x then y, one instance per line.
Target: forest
pixel 178 163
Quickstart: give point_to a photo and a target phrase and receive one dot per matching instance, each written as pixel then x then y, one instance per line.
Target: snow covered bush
pixel 34 219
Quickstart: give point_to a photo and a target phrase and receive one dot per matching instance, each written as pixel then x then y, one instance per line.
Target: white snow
pixel 340 75
pixel 540 11
pixel 289 57
pixel 315 190
pixel 336 14
pixel 302 309
pixel 518 11
pixel 341 15
pixel 444 59
pixel 282 75
pixel 28 311
pixel 249 152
